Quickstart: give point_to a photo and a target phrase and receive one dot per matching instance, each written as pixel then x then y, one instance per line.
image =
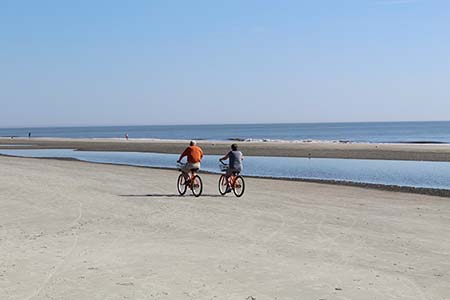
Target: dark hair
pixel 234 147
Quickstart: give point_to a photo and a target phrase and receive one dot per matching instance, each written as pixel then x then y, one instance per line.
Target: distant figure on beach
pixel 235 158
pixel 126 136
pixel 194 156
pixel 29 134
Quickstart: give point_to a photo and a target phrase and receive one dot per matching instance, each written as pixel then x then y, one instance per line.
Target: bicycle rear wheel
pixel 223 184
pixel 239 186
pixel 197 186
pixel 181 184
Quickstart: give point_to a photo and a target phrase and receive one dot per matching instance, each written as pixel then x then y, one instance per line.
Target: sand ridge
pixel 426 152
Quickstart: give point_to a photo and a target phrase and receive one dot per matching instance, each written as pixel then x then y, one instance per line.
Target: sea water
pixel 376 132
pixel 385 172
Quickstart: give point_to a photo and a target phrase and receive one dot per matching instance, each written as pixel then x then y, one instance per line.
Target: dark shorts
pixel 231 171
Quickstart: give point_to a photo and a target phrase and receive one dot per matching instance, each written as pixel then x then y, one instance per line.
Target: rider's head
pixel 234 147
pixel 193 143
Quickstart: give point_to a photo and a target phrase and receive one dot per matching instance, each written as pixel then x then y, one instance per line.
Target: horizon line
pixel 220 124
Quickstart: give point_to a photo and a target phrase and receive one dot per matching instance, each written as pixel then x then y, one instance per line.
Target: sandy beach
pixel 425 152
pixel 75 230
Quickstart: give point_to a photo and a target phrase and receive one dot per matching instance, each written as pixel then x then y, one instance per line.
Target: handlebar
pixel 223 167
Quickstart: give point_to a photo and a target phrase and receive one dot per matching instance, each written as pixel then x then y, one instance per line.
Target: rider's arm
pixel 225 157
pixel 185 153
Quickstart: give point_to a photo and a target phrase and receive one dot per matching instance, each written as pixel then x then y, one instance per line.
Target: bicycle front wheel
pixel 239 186
pixel 181 185
pixel 223 184
pixel 197 186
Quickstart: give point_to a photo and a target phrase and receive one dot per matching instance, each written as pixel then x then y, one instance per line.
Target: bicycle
pixel 193 181
pixel 235 182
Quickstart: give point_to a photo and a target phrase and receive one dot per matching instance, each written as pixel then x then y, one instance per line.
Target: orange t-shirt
pixel 194 154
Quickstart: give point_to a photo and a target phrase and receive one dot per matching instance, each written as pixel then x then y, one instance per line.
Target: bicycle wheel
pixel 197 186
pixel 223 185
pixel 181 184
pixel 239 186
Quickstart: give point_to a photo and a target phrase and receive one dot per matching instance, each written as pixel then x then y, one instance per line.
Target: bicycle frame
pixel 190 176
pixel 232 181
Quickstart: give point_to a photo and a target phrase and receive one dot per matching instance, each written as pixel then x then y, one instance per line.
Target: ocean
pixel 373 132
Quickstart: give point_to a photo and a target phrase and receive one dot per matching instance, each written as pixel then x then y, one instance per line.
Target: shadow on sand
pixel 170 195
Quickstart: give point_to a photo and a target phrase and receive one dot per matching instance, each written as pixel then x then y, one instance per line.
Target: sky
pixel 144 62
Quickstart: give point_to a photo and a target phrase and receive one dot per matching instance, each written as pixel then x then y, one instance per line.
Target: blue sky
pixel 196 62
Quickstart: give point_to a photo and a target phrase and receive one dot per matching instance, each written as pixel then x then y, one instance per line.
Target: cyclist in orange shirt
pixel 194 156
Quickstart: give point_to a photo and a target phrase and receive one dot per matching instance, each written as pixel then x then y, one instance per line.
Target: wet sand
pixel 75 230
pixel 426 152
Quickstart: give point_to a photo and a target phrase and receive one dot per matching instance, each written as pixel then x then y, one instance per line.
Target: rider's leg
pixel 193 167
pixel 228 175
pixel 186 175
